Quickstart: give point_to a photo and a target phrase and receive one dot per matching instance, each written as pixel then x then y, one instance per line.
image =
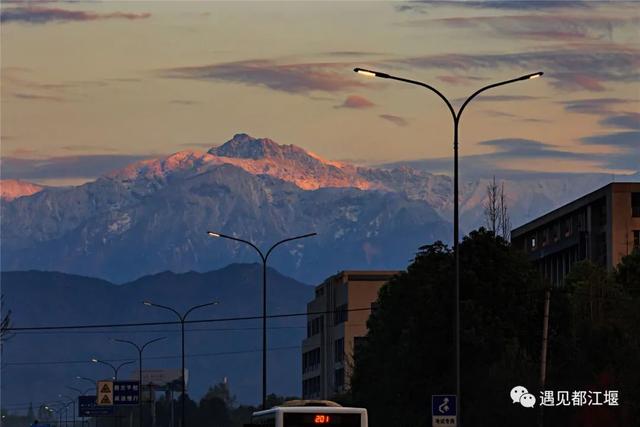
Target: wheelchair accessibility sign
pixel 443 411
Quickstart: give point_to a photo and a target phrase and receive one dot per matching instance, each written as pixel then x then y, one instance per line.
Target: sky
pixel 88 87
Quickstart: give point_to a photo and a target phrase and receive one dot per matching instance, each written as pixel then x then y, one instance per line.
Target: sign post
pixel 443 411
pixel 105 393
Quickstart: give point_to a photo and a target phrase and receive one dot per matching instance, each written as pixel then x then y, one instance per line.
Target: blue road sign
pixel 87 407
pixel 126 392
pixel 443 405
pixel 443 411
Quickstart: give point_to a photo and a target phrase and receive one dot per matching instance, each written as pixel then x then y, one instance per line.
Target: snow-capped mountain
pixel 153 215
pixel 11 189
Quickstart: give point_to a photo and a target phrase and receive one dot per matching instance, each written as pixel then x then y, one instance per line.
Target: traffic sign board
pixel 88 407
pixel 126 392
pixel 443 411
pixel 105 393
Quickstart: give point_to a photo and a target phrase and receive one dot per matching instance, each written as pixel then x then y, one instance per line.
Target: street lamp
pixel 264 297
pixel 140 350
pixel 456 224
pixel 115 369
pixel 73 401
pixel 182 318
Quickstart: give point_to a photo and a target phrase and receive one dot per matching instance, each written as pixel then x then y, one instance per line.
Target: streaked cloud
pixel 624 121
pixel 521 5
pixel 556 27
pixel 396 120
pixel 43 15
pixel 185 102
pixel 593 105
pixel 37 97
pixel 82 166
pixel 624 140
pixel 300 78
pixel 584 67
pixel 357 102
pixel 459 80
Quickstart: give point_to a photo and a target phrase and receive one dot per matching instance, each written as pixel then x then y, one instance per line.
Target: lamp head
pixel 213 234
pixel 94 360
pixel 371 73
pixel 147 303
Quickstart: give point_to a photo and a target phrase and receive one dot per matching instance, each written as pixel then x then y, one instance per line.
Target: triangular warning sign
pixel 105 389
pixel 105 400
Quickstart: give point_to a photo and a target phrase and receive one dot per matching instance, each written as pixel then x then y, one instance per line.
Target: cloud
pixel 357 102
pixel 516 148
pixel 557 27
pixel 496 113
pixel 185 102
pixel 291 78
pixel 82 166
pixel 623 140
pixel 396 120
pixel 35 97
pixel 459 80
pixel 593 105
pixel 499 98
pixel 624 120
pixel 86 148
pixel 42 15
pixel 545 5
pixel 584 67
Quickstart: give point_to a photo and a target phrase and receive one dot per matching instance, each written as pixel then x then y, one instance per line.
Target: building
pixel 333 331
pixel 602 227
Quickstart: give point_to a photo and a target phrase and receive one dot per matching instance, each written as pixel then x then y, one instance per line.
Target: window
pixel 636 239
pixel 341 314
pixel 635 205
pixel 568 227
pixel 310 360
pixel 339 379
pixel 311 387
pixel 319 291
pixel 338 350
pixel 533 243
pixel 314 326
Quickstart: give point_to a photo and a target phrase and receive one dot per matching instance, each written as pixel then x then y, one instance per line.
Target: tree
pixel 496 210
pixel 408 353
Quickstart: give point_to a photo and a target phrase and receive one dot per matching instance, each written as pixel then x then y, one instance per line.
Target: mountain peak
pixel 245 146
pixel 11 189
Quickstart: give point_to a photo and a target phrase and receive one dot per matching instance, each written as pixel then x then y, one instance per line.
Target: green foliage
pixel 408 354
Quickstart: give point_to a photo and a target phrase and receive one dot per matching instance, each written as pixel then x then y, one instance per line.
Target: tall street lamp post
pixel 80 392
pixel 182 318
pixel 456 224
pixel 140 350
pixel 264 258
pixel 115 368
pixel 73 402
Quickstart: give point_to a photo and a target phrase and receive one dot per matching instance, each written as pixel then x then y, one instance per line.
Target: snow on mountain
pixel 11 189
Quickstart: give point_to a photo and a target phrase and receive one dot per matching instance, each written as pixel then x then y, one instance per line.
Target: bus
pixel 307 413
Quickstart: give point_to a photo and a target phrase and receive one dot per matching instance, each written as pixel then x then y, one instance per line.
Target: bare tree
pixel 496 211
pixel 491 208
pixel 504 221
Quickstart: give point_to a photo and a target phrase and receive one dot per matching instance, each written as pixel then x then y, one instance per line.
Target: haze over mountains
pixel 33 361
pixel 153 215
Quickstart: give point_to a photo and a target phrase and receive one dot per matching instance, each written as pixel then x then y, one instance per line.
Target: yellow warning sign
pixel 105 393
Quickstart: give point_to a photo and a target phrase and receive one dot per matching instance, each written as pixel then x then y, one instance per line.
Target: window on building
pixel 311 387
pixel 568 227
pixel 635 204
pixel 319 291
pixel 339 379
pixel 310 360
pixel 534 243
pixel 636 239
pixel 341 314
pixel 314 326
pixel 338 350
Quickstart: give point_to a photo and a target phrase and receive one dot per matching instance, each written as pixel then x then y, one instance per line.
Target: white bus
pixel 307 413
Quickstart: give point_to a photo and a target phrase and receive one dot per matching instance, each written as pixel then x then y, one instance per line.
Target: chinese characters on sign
pixel 579 398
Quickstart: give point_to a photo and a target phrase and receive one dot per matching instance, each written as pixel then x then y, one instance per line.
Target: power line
pixel 223 353
pixel 221 319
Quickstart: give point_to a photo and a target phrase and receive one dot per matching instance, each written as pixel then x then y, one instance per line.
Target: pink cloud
pixel 43 15
pixel 357 102
pixel 396 120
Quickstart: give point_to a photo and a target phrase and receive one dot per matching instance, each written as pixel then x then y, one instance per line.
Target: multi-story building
pixel 333 331
pixel 602 227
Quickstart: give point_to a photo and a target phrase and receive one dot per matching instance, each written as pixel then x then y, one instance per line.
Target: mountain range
pixel 37 365
pixel 153 215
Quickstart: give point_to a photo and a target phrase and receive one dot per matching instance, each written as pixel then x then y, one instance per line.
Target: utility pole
pixel 543 355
